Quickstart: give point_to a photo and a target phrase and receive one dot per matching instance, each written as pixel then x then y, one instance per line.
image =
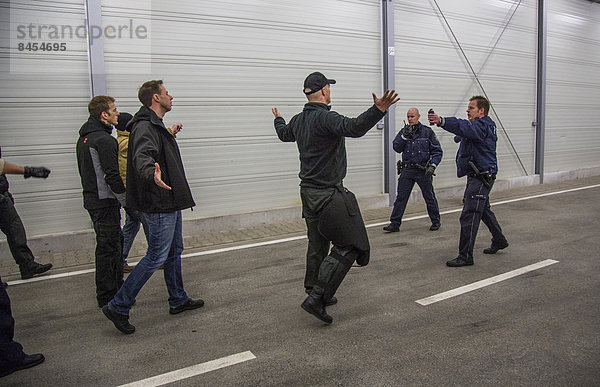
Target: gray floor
pixel 540 328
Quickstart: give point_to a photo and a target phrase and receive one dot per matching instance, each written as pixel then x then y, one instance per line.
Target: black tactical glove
pixel 429 171
pixel 407 132
pixel 36 172
pixel 399 166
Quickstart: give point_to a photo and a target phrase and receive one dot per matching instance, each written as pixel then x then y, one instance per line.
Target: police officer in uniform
pixel 476 159
pixel 421 154
pixel 330 210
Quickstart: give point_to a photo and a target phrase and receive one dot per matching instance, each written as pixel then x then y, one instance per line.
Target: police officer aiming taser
pixel 476 159
pixel 421 154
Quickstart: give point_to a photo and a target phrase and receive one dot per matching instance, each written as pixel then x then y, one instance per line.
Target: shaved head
pixel 413 116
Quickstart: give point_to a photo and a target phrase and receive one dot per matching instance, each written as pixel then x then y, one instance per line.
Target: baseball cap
pixel 315 82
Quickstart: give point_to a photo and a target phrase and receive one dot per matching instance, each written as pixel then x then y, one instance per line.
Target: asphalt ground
pixel 537 328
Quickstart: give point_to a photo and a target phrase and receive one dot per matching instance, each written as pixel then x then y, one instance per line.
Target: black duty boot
pixel 35 268
pixel 493 249
pixel 392 227
pixel 331 301
pixel 314 305
pixel 458 262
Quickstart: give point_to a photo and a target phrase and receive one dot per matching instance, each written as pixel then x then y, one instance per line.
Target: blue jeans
pixel 165 244
pixel 130 230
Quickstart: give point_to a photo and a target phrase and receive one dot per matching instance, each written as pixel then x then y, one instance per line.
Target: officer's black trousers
pixel 406 181
pixel 109 247
pixel 476 207
pixel 12 226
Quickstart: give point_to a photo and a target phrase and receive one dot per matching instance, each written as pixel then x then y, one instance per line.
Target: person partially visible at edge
pixel 158 189
pixel 476 159
pixel 103 192
pixel 12 357
pixel 330 210
pixel 12 225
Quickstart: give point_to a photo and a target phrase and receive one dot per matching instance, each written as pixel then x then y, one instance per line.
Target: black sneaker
pixel 188 305
pixel 35 268
pixel 435 226
pixel 121 321
pixel 493 249
pixel 316 307
pixel 458 262
pixel 391 228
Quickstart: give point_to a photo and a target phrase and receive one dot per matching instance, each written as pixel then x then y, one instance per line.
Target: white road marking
pixel 188 372
pixel 483 283
pixel 275 241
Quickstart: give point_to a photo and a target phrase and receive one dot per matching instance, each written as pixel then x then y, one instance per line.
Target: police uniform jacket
pixel 422 148
pixel 320 135
pixel 477 144
pixel 150 142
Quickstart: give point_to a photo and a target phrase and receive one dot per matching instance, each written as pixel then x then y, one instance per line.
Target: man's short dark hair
pixel 147 91
pixel 99 104
pixel 482 103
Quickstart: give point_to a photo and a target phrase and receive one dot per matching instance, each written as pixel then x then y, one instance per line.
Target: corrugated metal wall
pixel 431 72
pixel 227 63
pixel 43 102
pixel 573 85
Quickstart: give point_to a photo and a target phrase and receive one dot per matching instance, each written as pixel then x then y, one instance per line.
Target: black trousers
pixel 406 181
pixel 10 351
pixel 12 226
pixel 109 248
pixel 325 269
pixel 476 207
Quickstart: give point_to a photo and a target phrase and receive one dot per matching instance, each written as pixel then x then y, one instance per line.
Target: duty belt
pixel 413 165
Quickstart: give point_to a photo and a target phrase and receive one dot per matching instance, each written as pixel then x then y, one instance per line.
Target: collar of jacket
pixel 93 124
pixel 316 106
pixel 146 114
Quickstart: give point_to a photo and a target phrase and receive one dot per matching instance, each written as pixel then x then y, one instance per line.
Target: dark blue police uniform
pixel 419 150
pixel 477 147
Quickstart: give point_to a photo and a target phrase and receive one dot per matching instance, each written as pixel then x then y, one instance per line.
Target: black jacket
pixel 320 136
pixel 99 166
pixel 150 142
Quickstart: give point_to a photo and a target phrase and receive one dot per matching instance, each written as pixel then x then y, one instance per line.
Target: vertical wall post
pixel 540 114
pixel 95 47
pixel 389 83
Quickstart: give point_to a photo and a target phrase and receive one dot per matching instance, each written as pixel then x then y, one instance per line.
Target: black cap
pixel 315 82
pixel 123 119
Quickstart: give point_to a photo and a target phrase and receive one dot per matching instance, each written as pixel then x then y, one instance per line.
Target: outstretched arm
pixel 387 99
pixel 14 169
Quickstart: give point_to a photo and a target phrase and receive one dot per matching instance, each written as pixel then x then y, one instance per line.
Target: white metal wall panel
pixel 43 103
pixel 432 73
pixel 227 63
pixel 573 85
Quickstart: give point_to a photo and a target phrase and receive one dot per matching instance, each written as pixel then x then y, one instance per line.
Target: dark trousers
pixel 10 350
pixel 109 247
pixel 325 270
pixel 406 182
pixel 12 226
pixel 476 207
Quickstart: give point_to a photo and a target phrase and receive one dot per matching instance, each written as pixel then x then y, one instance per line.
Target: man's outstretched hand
pixel 158 177
pixel 42 172
pixel 275 112
pixel 387 99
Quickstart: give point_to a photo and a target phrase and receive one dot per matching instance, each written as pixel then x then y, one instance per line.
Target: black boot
pixel 493 249
pixel 35 268
pixel 314 305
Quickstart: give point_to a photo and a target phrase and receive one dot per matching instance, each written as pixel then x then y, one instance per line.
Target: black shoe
pixel 435 226
pixel 458 262
pixel 493 249
pixel 121 321
pixel 35 268
pixel 332 301
pixel 27 362
pixel 316 307
pixel 188 305
pixel 391 228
